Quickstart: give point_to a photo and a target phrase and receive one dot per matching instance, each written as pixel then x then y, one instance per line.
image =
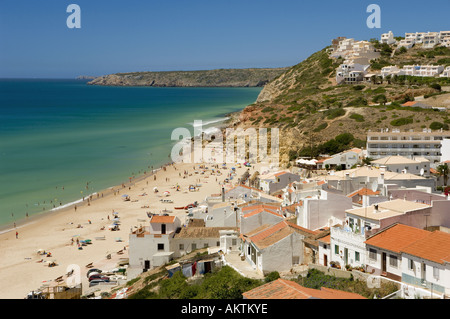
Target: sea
pixel 61 140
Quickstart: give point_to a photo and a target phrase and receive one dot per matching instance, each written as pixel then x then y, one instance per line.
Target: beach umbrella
pixel 125 195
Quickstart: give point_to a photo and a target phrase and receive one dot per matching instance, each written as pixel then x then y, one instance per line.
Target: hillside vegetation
pixel 310 109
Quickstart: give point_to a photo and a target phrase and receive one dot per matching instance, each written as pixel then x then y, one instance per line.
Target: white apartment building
pixel 443 35
pixel 418 165
pixel 391 70
pixel 416 36
pixel 351 73
pixel 407 43
pixel 423 70
pixel 446 72
pixel 427 144
pixel 343 48
pixel 445 42
pixel 430 40
pixel 388 38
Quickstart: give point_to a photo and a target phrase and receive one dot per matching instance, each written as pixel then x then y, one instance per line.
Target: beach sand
pixel 20 272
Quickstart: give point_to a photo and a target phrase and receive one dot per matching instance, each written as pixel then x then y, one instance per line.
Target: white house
pixel 324 250
pixel 388 38
pixel 416 165
pixel 273 182
pixel 323 210
pixel 430 40
pixel 423 70
pixel 351 73
pixel 445 42
pixel 343 160
pixel 149 246
pixel 391 70
pixel 443 35
pixel 276 247
pixel 381 215
pixel 384 249
pixel 446 72
pixel 426 263
pixel 407 43
pixel 255 216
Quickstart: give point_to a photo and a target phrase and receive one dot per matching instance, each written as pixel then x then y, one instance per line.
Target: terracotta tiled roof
pixel 258 206
pixel 396 237
pixel 267 235
pixel 244 186
pixel 280 173
pixel 434 247
pixel 363 191
pixel 325 239
pixel 409 103
pixel 323 160
pixel 262 208
pixel 162 219
pixel 285 289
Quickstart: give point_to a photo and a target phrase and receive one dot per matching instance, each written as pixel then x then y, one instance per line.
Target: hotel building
pixel 410 144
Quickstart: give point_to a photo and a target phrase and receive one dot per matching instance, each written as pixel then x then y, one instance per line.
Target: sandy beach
pixel 20 269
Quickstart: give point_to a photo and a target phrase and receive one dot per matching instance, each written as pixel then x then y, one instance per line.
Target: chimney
pixel 375 208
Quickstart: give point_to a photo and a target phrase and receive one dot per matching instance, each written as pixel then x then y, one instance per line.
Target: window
pixel 218 243
pixel 234 242
pixel 411 264
pixel 336 249
pixel 372 254
pixel 205 245
pixel 436 272
pixel 181 247
pixel 393 261
pixel 194 246
pixel 160 246
pixel 356 256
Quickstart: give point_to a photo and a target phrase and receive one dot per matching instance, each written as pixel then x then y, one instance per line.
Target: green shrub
pixel 274 275
pixel 402 121
pixel 380 99
pixel 334 113
pixel 438 126
pixel 320 127
pixel 357 117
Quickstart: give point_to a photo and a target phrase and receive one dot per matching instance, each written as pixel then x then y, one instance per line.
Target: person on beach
pixel 17 235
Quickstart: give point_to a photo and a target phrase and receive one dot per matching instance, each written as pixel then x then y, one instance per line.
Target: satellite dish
pixel 422 171
pixel 374 186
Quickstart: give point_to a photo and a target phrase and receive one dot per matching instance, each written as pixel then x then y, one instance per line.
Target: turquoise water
pixel 62 139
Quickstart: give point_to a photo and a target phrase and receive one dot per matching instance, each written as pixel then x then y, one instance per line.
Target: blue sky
pixel 148 35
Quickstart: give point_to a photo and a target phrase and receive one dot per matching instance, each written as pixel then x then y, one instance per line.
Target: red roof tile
pixel 363 191
pixel 286 289
pixel 162 219
pixel 434 247
pixel 396 237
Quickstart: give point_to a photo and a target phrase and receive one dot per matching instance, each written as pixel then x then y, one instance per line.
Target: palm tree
pixel 443 171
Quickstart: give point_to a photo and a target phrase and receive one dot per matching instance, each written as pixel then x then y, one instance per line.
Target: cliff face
pixel 310 109
pixel 208 78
